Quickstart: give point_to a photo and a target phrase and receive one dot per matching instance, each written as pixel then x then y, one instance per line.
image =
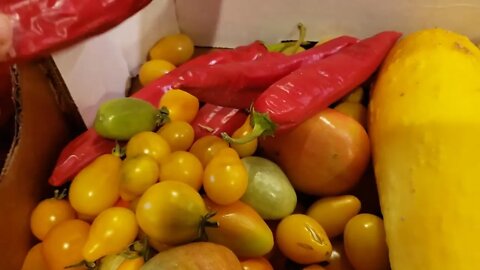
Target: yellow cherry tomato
pixel 48 213
pixel 157 245
pixel 35 259
pixel 301 239
pixel 149 143
pixel 171 212
pixel 333 213
pixel 181 105
pixel 154 69
pixel 225 178
pixel 132 264
pixel 365 243
pixel 355 110
pixel 176 48
pixel 246 149
pixel 258 263
pixel 62 246
pixel 184 167
pixel 138 173
pixel 179 135
pixel 111 232
pixel 96 187
pixel 206 147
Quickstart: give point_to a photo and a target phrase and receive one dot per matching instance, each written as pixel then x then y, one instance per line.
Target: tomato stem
pixel 301 38
pixel 162 116
pixel 204 223
pixel 262 126
pixel 59 196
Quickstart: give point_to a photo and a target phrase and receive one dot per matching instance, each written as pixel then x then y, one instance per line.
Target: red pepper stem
pixel 301 38
pixel 262 126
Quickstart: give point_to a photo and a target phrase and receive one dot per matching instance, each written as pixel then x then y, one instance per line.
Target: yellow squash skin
pixel 424 123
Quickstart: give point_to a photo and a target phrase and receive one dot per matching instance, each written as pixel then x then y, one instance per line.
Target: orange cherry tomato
pixel 302 239
pixel 184 167
pixel 258 263
pixel 181 105
pixel 48 213
pixel 179 135
pixel 206 147
pixel 314 267
pixel 35 259
pixel 225 178
pixel 63 244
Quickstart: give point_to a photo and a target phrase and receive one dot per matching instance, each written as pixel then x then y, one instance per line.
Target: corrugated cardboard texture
pixel 42 132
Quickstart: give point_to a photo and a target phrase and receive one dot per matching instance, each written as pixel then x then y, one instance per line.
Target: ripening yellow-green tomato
pixel 175 48
pixel 206 147
pixel 138 173
pixel 245 149
pixel 154 69
pixel 179 135
pixel 182 166
pixel 48 213
pixel 301 239
pixel 96 187
pixel 181 105
pixel 111 232
pixel 333 213
pixel 148 143
pixel 225 178
pixel 365 243
pixel 355 96
pixel 171 212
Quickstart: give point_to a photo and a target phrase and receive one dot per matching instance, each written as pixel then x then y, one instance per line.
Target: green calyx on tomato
pixel 206 223
pixel 262 126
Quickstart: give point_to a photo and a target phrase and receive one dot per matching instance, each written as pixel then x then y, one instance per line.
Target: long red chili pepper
pixel 238 84
pixel 89 145
pixel 214 120
pixel 312 88
pixel 40 27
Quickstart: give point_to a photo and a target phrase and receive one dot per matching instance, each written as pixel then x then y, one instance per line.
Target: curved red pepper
pixel 306 91
pixel 89 145
pixel 238 84
pixel 214 120
pixel 39 27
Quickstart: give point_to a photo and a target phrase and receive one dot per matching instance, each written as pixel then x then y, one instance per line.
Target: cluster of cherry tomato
pixel 166 188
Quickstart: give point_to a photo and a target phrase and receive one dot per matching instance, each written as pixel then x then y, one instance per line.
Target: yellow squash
pixel 424 122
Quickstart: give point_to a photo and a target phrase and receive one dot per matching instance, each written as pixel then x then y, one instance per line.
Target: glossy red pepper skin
pixel 237 84
pixel 306 91
pixel 214 120
pixel 153 91
pixel 39 27
pixel 89 145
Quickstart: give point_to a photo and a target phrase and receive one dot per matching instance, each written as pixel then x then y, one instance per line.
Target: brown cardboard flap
pixel 42 131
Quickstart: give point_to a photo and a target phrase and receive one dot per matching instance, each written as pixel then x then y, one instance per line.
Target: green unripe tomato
pixel 121 118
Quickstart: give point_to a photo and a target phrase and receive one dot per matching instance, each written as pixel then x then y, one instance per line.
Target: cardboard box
pixel 100 68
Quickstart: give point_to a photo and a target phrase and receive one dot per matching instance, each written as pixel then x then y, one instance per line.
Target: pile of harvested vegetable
pixel 259 157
